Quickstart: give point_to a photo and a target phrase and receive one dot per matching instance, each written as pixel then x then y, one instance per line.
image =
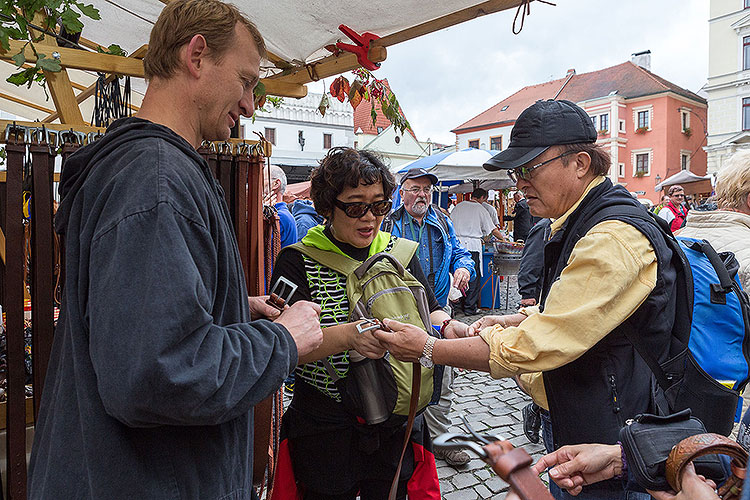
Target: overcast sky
pixel 448 77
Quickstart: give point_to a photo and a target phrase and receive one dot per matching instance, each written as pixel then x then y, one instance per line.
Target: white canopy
pixel 464 165
pixel 681 177
pixel 295 32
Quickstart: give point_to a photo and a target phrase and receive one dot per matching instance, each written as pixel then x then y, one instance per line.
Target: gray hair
pixel 733 181
pixel 278 173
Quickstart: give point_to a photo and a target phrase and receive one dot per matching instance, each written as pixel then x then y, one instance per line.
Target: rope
pixel 524 8
pixel 109 103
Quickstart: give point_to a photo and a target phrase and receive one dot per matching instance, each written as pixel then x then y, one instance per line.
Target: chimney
pixel 571 71
pixel 642 59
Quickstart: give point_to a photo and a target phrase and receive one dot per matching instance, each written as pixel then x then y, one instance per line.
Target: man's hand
pixel 461 278
pixel 405 342
pixel 366 344
pixel 504 321
pixel 456 330
pixel 528 302
pixel 259 308
pixel 694 487
pixel 578 465
pixel 302 320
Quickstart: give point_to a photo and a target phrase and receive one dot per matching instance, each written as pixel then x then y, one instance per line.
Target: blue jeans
pixel 607 490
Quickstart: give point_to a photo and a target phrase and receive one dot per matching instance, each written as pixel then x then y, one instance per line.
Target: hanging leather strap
pixel 416 381
pixel 513 465
pixel 699 445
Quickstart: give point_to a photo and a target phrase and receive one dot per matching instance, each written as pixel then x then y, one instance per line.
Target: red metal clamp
pixel 362 47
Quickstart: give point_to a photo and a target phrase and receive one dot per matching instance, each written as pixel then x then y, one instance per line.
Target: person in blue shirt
pixel 305 216
pixel 276 188
pixel 440 254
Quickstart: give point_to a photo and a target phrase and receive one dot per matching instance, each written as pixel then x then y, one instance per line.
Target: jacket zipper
pixel 615 400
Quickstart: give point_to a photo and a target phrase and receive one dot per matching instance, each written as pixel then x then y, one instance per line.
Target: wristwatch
pixel 426 358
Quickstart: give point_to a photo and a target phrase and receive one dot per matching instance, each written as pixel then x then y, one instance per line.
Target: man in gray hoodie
pixel 157 362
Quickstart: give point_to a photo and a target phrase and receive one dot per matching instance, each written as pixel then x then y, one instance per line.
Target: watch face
pixel 427 363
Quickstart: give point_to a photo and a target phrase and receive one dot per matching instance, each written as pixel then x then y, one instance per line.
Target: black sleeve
pixel 415 268
pixel 532 262
pixel 291 266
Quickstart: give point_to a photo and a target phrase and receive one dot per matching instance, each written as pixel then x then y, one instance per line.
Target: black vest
pixel 591 398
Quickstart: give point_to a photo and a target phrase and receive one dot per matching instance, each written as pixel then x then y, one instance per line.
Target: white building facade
pixel 300 135
pixel 728 86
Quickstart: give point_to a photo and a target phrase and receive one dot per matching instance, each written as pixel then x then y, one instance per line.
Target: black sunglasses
pixel 358 209
pixel 525 172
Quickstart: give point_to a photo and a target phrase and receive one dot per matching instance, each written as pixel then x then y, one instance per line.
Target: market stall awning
pixel 681 177
pixel 296 34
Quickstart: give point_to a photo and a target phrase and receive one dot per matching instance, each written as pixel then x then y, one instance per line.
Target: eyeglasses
pixel 416 190
pixel 357 209
pixel 525 172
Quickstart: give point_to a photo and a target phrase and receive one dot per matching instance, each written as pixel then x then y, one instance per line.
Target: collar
pixel 316 238
pixel 558 223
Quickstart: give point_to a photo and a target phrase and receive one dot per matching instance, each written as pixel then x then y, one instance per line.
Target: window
pixel 603 122
pixel 270 135
pixel 593 120
pixel 641 164
pixel 685 119
pixel 746 52
pixel 620 170
pixel 685 161
pixel 506 107
pixel 643 119
pixel 496 143
pixel 746 113
pixel 474 143
pixel 380 130
pixel 326 141
pixel 622 125
pixel 747 4
pixel 356 144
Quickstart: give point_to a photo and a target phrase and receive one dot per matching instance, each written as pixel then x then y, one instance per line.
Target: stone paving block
pixel 483 491
pixel 462 495
pixel 464 480
pixel 495 484
pixel 484 474
pixel 445 487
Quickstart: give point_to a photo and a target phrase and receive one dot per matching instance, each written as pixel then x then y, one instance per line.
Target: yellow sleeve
pixel 533 385
pixel 609 274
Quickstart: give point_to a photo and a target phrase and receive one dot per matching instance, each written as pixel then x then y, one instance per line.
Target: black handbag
pixel 647 440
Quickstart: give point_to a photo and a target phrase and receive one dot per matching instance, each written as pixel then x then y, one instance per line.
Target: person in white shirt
pixel 472 223
pixel 490 209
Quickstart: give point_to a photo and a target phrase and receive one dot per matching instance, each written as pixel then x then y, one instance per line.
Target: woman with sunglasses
pixel 330 453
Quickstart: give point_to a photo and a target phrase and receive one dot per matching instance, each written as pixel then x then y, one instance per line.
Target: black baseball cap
pixel 415 173
pixel 542 125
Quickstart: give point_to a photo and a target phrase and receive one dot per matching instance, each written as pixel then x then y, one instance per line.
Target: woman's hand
pixel 366 344
pixel 694 487
pixel 505 321
pixel 404 342
pixel 574 466
pixel 456 330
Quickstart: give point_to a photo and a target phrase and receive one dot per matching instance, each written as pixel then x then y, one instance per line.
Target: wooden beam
pixel 458 17
pixel 28 104
pixel 328 66
pixel 58 83
pixel 79 59
pixel 87 92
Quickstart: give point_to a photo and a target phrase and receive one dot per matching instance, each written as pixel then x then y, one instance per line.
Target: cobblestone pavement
pixel 491 407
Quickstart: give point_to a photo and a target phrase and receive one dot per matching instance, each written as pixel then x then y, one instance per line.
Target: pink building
pixel 651 127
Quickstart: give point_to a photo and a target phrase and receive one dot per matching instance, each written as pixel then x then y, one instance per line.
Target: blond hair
pixel 181 20
pixel 733 181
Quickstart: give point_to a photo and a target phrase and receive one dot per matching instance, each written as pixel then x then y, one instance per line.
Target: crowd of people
pixel 160 356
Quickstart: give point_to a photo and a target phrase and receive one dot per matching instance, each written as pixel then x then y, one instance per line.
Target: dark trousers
pixel 471 301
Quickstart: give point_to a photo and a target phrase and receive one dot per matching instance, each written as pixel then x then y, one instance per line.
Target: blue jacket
pixel 287 226
pixel 305 216
pixel 454 254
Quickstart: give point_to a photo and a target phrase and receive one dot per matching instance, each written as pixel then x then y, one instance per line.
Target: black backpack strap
pixel 616 212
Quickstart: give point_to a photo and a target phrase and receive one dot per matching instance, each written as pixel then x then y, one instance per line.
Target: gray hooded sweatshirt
pixel 156 366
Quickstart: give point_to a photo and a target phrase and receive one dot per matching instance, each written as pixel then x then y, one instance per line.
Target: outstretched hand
pixel 259 308
pixel 405 342
pixel 575 466
pixel 489 320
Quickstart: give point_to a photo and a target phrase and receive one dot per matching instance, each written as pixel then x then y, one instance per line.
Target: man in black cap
pixel 608 275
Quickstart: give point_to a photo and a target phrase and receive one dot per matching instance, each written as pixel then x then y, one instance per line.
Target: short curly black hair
pixel 343 167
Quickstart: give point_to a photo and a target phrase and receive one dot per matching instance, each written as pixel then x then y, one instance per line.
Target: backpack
pixel 709 362
pixel 379 288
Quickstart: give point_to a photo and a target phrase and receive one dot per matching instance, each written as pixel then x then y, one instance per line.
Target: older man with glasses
pixel 440 255
pixel 608 277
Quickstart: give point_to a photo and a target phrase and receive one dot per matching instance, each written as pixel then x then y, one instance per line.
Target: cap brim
pixel 433 178
pixel 511 158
